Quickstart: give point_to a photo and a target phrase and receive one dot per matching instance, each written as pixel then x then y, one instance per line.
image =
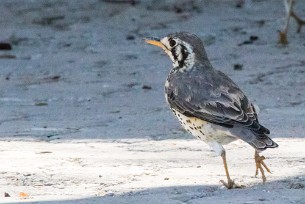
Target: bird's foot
pixel 260 165
pixel 230 184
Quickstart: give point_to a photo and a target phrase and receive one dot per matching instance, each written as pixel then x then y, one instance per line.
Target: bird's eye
pixel 172 43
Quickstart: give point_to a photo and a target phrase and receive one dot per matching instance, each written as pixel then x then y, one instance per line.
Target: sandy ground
pixel 83 116
pixel 143 171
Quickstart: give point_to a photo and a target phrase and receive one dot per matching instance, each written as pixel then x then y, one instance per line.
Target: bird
pixel 208 104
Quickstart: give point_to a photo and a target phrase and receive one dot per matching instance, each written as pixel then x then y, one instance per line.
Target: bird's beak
pixel 156 42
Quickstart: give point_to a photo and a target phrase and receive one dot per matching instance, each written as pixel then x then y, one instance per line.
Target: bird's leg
pixel 259 161
pixel 230 184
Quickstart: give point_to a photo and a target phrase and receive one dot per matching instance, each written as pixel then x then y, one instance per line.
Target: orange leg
pixel 259 161
pixel 230 184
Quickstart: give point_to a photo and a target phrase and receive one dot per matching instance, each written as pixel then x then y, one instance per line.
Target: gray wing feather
pixel 213 97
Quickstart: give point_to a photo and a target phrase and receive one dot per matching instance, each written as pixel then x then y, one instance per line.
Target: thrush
pixel 208 104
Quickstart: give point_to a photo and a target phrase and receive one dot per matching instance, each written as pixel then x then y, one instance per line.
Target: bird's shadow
pixel 289 190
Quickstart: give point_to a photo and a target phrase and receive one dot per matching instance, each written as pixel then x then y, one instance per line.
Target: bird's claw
pixel 259 161
pixel 230 184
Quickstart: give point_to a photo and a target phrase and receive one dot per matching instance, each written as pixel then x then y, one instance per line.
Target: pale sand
pixel 144 171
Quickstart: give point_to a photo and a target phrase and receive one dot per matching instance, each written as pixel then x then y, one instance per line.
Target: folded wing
pixel 215 98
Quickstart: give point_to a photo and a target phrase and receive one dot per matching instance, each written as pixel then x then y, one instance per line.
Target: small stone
pixel 41 103
pixel 7 56
pixel 5 46
pixel 238 66
pixel 56 77
pixel 50 79
pixel 146 87
pixel 262 199
pixel 240 3
pixel 166 178
pixel 6 194
pixel 130 37
pixel 253 38
pixel 246 42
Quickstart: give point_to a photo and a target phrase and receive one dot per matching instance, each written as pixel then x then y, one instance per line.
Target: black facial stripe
pixel 184 54
pixel 174 53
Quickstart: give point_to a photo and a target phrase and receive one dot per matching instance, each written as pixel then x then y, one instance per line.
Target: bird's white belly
pixel 208 132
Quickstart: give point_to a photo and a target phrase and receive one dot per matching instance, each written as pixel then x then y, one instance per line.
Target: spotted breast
pixel 203 130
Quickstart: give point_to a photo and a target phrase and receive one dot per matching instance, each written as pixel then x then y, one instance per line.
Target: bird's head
pixel 184 49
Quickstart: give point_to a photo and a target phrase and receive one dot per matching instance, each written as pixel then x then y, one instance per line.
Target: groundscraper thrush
pixel 208 103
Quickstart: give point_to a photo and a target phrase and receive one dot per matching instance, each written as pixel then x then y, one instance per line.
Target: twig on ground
pixel 299 21
pixel 290 13
pixel 283 34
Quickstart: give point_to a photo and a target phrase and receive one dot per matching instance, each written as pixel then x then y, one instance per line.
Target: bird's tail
pixel 262 142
